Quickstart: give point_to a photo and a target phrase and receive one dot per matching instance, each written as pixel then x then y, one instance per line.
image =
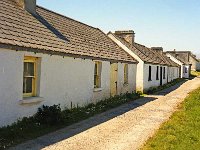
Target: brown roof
pixel 146 54
pixel 49 32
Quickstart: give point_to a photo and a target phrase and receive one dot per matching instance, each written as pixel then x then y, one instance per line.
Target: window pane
pixel 27 85
pixel 95 69
pixel 95 80
pixel 28 69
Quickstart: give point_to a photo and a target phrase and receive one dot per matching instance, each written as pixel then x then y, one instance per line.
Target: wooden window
pixel 29 77
pixel 157 73
pixel 126 74
pixel 149 78
pixel 164 74
pixel 97 74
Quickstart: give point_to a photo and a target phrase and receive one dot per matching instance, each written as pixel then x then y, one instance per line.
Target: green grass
pixel 195 73
pixel 182 131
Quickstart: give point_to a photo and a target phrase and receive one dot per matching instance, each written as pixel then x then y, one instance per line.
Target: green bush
pixel 49 115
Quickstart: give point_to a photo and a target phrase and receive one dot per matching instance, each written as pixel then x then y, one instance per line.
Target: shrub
pixel 49 115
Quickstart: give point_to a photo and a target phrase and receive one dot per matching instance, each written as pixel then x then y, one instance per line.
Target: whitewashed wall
pixel 140 65
pixel 62 81
pixel 186 74
pixel 198 66
pixel 153 82
pixel 131 86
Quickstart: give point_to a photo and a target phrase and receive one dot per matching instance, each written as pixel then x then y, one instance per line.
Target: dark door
pixel 161 75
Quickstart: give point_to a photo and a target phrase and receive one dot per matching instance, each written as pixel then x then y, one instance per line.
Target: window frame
pixel 97 74
pixel 29 59
pixel 125 73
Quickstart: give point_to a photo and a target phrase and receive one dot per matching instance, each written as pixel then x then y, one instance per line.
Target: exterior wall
pixel 186 74
pixel 153 82
pixel 198 66
pixel 140 65
pixel 63 81
pixel 173 73
pixel 131 86
pixel 140 77
pixel 181 73
pixel 194 63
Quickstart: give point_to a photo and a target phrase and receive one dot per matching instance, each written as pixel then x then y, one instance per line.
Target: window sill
pixel 97 89
pixel 149 80
pixel 31 100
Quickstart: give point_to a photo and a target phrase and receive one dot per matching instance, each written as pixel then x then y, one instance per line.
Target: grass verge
pixel 182 131
pixel 195 73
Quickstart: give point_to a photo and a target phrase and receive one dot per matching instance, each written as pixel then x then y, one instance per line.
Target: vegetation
pixel 51 118
pixel 159 88
pixel 195 73
pixel 182 130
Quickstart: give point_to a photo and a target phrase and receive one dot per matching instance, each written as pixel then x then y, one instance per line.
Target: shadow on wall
pixel 82 126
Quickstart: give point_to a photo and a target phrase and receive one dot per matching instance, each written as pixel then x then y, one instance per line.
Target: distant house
pixel 154 68
pixel 198 65
pixel 184 67
pixel 185 56
pixel 47 58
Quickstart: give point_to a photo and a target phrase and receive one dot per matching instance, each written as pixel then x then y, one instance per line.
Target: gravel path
pixel 124 128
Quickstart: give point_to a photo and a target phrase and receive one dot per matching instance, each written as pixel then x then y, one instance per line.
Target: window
pixel 149 79
pixel 164 77
pixel 126 74
pixel 29 77
pixel 185 69
pixel 157 73
pixel 97 74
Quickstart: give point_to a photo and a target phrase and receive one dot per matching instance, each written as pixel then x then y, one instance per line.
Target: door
pixel 113 79
pixel 161 75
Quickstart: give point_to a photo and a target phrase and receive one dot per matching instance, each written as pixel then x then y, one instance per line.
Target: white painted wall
pixel 131 86
pixel 183 74
pixel 198 66
pixel 140 65
pixel 187 73
pixel 153 82
pixel 62 81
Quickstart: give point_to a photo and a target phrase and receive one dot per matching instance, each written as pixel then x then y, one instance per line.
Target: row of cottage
pixel 48 59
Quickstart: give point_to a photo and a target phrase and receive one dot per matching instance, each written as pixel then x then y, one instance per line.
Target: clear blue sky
pixel 172 24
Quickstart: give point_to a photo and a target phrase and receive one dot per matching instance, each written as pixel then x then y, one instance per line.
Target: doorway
pixel 113 79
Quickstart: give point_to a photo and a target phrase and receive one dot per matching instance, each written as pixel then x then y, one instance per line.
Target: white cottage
pixel 154 68
pixel 184 67
pixel 47 58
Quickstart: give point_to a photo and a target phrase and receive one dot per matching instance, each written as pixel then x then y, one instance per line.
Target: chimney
pixel 28 5
pixel 129 35
pixel 158 49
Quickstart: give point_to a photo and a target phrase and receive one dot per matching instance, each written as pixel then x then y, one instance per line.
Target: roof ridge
pixel 66 17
